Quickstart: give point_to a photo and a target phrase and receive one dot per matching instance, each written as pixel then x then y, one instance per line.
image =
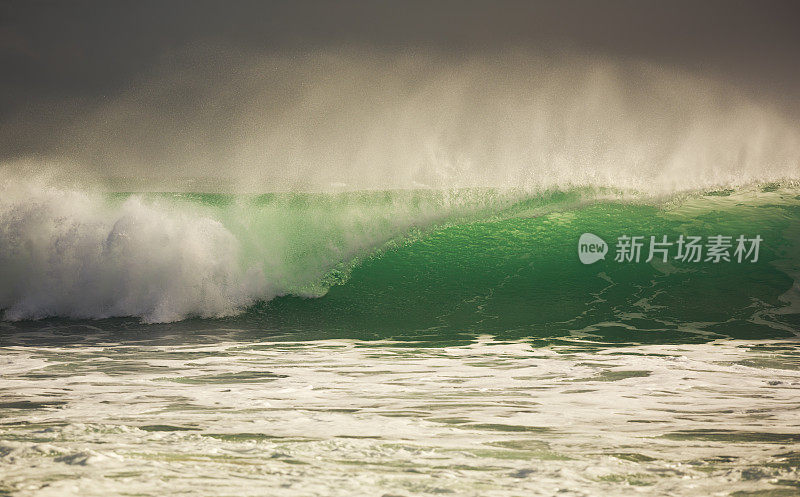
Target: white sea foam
pixel 364 418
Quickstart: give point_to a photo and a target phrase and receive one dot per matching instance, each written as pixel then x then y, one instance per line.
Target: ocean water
pixel 408 342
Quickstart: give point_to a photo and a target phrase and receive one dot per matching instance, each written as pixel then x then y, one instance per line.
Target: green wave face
pixel 430 265
pixel 519 275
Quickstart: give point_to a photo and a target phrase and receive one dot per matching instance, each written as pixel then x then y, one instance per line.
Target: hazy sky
pixel 91 48
pixel 59 58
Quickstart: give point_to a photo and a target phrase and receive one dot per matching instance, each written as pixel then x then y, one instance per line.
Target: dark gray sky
pixel 59 55
pixel 93 47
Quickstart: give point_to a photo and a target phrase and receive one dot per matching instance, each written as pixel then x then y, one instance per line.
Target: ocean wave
pixel 166 257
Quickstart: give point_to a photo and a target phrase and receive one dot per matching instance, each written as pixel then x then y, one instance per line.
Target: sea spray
pixel 356 119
